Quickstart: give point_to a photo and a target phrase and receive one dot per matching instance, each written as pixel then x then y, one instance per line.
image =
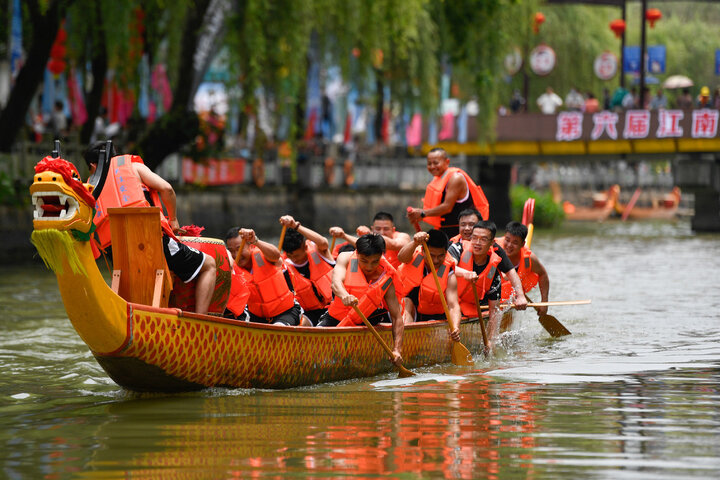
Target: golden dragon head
pixel 62 202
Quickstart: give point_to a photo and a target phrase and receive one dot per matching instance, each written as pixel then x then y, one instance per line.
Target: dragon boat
pixel 141 330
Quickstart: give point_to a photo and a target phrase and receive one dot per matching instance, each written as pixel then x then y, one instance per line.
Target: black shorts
pixel 290 317
pixel 413 296
pixel 378 316
pixel 183 260
pixel 314 315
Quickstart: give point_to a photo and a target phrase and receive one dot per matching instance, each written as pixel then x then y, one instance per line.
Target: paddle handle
pixel 437 282
pixel 239 252
pixel 416 225
pixel 282 237
pixel 332 244
pixel 544 304
pixel 480 319
pixel 404 371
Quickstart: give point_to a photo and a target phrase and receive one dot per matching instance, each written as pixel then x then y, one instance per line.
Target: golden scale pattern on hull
pixel 219 352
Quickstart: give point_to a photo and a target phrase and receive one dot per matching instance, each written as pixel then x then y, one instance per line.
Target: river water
pixel 633 393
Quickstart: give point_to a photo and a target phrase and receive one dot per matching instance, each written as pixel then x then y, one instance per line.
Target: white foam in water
pixel 20 396
pixel 422 378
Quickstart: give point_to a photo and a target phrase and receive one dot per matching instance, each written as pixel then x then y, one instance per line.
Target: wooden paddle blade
pixel 553 326
pixel 404 372
pixel 461 355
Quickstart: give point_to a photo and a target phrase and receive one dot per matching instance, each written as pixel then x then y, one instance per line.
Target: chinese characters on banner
pixel 637 125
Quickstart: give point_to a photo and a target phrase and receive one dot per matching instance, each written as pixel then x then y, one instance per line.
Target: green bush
pixel 547 213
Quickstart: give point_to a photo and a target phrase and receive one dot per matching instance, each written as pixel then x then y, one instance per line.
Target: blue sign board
pixel 655 59
pixel 717 62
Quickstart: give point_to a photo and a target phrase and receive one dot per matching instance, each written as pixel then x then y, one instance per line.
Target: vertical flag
pixel 16 39
pixel 462 125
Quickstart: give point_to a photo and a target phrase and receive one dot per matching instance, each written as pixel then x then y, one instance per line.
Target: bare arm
pixel 338 279
pixel 406 253
pixel 268 250
pixel 401 239
pixel 319 241
pixel 455 190
pixel 398 326
pixel 340 233
pixel 543 282
pixel 451 297
pixel 520 300
pixel 165 190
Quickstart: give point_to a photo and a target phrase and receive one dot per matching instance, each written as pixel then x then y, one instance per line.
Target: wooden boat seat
pixel 140 272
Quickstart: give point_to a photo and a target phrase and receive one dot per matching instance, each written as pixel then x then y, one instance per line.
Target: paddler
pixel 527 264
pixel 383 224
pixel 130 183
pixel 271 300
pixel 466 221
pixel 422 299
pixel 450 192
pixel 366 279
pixel 310 267
pixel 485 260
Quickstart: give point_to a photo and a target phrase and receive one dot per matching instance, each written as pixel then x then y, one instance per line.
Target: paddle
pixel 631 204
pixel 480 319
pixel 332 245
pixel 404 372
pixel 239 253
pixel 459 353
pixel 551 324
pixel 545 304
pixel 282 237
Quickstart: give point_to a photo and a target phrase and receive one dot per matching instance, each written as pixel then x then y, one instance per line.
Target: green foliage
pixel 547 212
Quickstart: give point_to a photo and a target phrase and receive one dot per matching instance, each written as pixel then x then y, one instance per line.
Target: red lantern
pixel 618 27
pixel 538 20
pixel 653 15
pixel 56 66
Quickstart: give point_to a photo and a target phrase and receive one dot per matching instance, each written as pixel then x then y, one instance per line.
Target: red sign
pixel 226 171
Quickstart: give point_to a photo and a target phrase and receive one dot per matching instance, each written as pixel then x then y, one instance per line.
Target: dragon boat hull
pixel 167 350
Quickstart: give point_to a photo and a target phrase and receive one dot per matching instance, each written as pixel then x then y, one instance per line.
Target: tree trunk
pixel 99 67
pixel 45 28
pixel 180 125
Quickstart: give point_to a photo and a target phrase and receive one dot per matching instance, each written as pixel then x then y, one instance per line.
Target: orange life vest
pixel 320 278
pixel 239 291
pixel 483 283
pixel 336 250
pixel 269 292
pixel 457 238
pixel 370 296
pixel 412 274
pixel 392 256
pixel 123 189
pixel 528 278
pixel 435 189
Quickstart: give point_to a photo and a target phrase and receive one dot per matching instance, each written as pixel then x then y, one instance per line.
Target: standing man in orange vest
pixel 310 266
pixel 130 183
pixel 485 260
pixel 450 192
pixel 364 278
pixel 271 300
pixel 422 299
pixel 527 264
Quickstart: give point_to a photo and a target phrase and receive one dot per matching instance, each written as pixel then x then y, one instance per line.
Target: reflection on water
pixel 633 393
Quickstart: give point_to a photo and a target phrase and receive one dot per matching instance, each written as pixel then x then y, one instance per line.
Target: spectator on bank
pixel 630 100
pixel 716 99
pixel 574 101
pixel 591 103
pixel 659 100
pixel 606 99
pixel 704 100
pixel 517 102
pixel 617 99
pixel 684 100
pixel 58 121
pixel 549 101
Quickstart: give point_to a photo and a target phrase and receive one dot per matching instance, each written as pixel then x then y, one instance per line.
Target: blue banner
pixel 631 60
pixel 16 39
pixel 656 59
pixel 717 62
